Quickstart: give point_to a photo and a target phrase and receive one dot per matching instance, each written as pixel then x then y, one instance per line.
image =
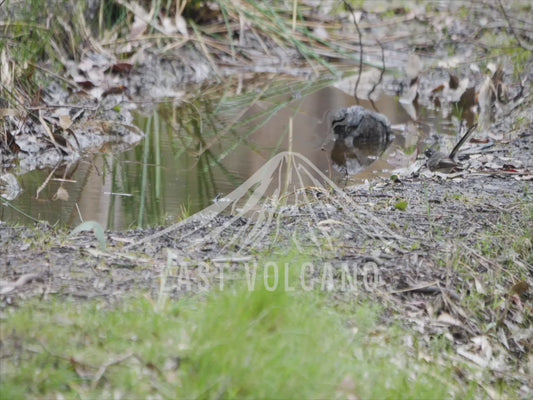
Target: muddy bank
pixel 440 215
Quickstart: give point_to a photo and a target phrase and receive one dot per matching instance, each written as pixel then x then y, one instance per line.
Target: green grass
pixel 230 344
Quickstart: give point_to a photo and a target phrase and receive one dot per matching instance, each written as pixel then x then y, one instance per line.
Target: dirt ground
pixel 43 261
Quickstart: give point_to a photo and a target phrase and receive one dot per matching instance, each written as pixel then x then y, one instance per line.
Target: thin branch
pixel 349 7
pixel 382 72
pixel 40 188
pixel 102 370
pixel 8 204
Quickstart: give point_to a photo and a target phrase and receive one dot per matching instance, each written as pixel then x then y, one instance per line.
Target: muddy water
pixel 197 150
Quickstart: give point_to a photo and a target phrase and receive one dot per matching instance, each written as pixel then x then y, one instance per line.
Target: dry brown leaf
pixel 472 357
pixel 86 84
pixel 439 88
pixel 114 90
pixel 61 194
pixel 448 319
pixel 413 66
pixel 519 288
pixel 454 82
pixel 483 346
pixel 121 67
pixel 65 122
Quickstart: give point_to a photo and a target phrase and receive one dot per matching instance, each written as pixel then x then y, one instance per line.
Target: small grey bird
pixel 445 163
pixel 356 122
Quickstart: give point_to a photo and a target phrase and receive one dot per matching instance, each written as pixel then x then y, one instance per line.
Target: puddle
pixel 197 151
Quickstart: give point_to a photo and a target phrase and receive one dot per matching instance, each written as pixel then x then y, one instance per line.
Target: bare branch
pixel 382 72
pixel 349 7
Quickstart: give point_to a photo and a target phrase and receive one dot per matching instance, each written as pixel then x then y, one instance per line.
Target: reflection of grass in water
pixel 274 97
pixel 144 174
pixel 254 209
pixel 204 133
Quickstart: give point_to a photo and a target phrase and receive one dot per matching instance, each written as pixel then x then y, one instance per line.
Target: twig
pixel 79 212
pixel 415 288
pixel 40 188
pixel 57 76
pixel 349 7
pixel 8 204
pixel 21 281
pixel 47 129
pixel 104 367
pixel 382 72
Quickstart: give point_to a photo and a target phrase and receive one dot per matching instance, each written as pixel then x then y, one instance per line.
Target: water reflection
pixel 352 157
pixel 361 137
pixel 206 146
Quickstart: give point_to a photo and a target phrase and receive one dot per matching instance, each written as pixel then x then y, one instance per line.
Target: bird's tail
pixel 462 141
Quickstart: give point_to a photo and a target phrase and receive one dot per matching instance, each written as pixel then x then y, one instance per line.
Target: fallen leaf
pixel 519 288
pixel 479 287
pixel 454 82
pixel 472 357
pixel 448 319
pixel 121 68
pixel 468 98
pixel 65 122
pixel 114 90
pixel 61 194
pixel 483 346
pixel 439 88
pixel 413 66
pixel 181 25
pixel 86 84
